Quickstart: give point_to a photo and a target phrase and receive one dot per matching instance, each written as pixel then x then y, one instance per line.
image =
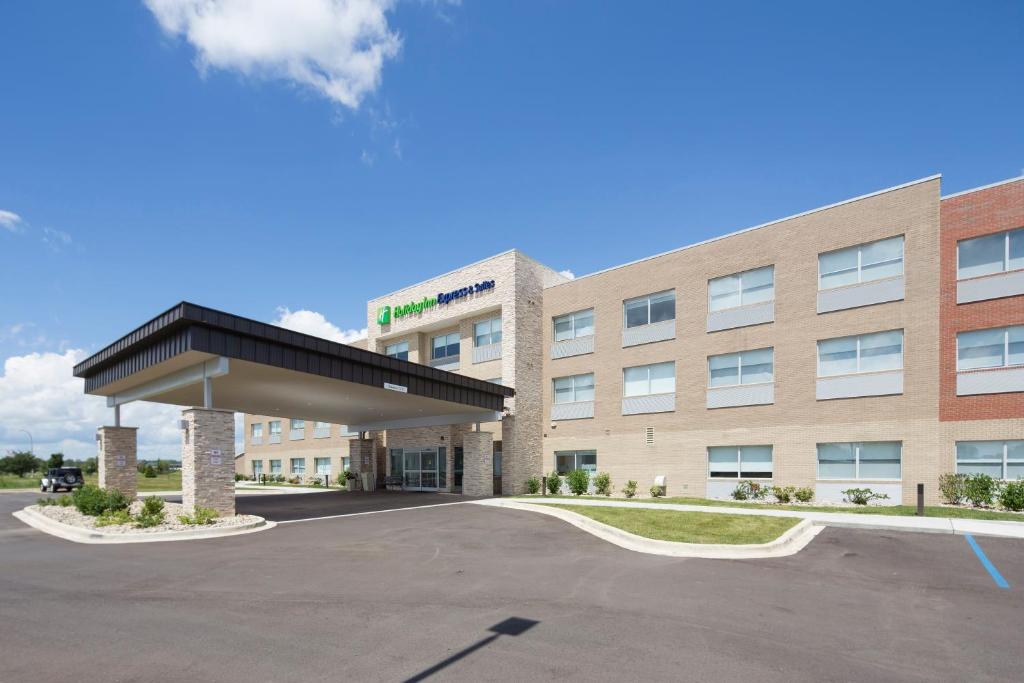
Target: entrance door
pixel 423 469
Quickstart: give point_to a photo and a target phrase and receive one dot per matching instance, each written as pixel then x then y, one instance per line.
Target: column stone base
pixel 208 460
pixel 362 457
pixel 117 458
pixel 478 464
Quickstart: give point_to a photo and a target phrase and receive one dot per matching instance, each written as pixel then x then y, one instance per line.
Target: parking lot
pixel 465 592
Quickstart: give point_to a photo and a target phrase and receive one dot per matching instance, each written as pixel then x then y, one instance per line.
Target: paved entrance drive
pixel 334 503
pixel 470 593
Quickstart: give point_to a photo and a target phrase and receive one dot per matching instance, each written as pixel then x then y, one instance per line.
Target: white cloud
pixel 567 274
pixel 367 158
pixel 39 393
pixel 311 322
pixel 336 47
pixel 10 221
pixel 56 239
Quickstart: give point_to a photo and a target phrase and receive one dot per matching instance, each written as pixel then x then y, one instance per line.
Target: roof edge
pixel 983 187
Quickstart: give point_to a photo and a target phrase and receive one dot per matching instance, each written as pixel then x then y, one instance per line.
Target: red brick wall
pixel 995 209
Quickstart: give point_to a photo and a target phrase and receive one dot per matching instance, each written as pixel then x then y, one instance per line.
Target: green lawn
pixel 161 482
pixel 688 527
pixel 900 510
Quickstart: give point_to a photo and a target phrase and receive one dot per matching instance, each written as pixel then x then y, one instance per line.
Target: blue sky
pixel 149 156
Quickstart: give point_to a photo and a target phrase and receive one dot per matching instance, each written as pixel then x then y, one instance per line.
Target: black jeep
pixel 58 478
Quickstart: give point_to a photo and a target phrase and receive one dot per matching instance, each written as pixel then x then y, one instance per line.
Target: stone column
pixel 478 464
pixel 117 458
pixel 362 456
pixel 208 460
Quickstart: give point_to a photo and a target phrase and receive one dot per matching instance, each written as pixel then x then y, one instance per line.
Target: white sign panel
pixel 396 387
pixel 215 459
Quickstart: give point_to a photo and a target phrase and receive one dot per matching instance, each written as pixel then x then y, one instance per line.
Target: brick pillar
pixel 478 463
pixel 208 460
pixel 117 459
pixel 362 454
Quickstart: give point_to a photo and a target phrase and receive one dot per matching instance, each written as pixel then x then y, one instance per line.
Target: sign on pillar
pixel 208 460
pixel 116 459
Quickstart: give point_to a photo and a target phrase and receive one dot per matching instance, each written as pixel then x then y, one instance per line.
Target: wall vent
pixel 649 436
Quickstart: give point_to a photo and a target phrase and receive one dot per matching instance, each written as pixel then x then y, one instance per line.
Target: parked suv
pixel 58 478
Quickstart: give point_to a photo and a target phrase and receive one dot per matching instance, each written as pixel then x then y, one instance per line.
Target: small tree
pixel 579 482
pixel 89 466
pixel 554 483
pixel 149 472
pixel 953 487
pixel 56 460
pixel 20 463
pixel 533 485
pixel 603 484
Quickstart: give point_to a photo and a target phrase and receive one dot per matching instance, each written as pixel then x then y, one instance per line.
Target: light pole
pixel 31 441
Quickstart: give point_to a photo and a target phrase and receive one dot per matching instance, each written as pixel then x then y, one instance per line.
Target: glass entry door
pixel 423 469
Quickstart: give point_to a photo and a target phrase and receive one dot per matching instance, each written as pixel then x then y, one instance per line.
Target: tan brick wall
pixel 117 459
pixel 796 421
pixel 478 473
pixel 207 479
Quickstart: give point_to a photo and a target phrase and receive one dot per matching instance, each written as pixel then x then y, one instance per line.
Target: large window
pixel 297 430
pixel 297 424
pixel 574 389
pixel 998 459
pixel 653 308
pixel 487 332
pixel 275 431
pixel 572 325
pixel 256 433
pixel 745 367
pixel 864 353
pixel 399 350
pixel 275 467
pixel 742 289
pixel 567 461
pixel 257 468
pixel 991 254
pixel 862 263
pixel 645 380
pixel 322 466
pixel 445 346
pixel 740 462
pixel 298 465
pixel 869 460
pixel 996 348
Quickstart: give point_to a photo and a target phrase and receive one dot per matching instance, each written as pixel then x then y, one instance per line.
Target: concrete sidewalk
pixel 936 525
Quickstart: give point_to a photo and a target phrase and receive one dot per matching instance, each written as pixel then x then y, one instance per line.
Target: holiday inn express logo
pixel 385 313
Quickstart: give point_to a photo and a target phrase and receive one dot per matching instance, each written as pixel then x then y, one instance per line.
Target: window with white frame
pixel 574 389
pixel 445 346
pixel 998 459
pixel 573 325
pixel 275 467
pixel 322 430
pixel 998 347
pixel 746 367
pixel 256 432
pixel 742 289
pixel 345 462
pixel 1000 252
pixel 298 465
pixel 257 468
pixel 275 428
pixel 487 332
pixel 862 263
pixel 399 350
pixel 874 352
pixel 297 424
pixel 867 460
pixel 653 308
pixel 645 380
pixel 740 462
pixel 567 461
pixel 322 466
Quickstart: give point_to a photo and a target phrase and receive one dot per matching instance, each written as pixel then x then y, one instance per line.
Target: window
pixel 740 462
pixel 399 350
pixel 487 332
pixel 644 380
pixel 445 346
pixel 998 459
pixel 574 389
pixel 297 430
pixel 742 289
pixel 321 430
pixel 298 465
pixel 322 466
pixel 573 325
pixel 496 380
pixel 996 348
pixel 275 431
pixel 862 263
pixel 345 462
pixel 746 367
pixel 991 254
pixel 256 432
pixel 298 424
pixel 864 353
pixel 653 308
pixel 257 468
pixel 869 460
pixel 567 461
pixel 275 467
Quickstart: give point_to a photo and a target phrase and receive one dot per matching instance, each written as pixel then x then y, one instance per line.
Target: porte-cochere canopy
pixel 196 356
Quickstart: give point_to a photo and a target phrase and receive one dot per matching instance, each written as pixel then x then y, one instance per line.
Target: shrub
pixel 153 505
pixel 980 489
pixel 804 494
pixel 314 481
pixel 554 483
pixel 579 482
pixel 656 491
pixel 113 517
pixel 149 472
pixel 93 501
pixel 749 489
pixel 239 477
pixel 199 517
pixel 147 520
pixel 783 494
pixel 603 484
pixel 533 485
pixel 953 487
pixel 44 502
pixel 65 501
pixel 863 496
pixel 629 490
pixel 1011 496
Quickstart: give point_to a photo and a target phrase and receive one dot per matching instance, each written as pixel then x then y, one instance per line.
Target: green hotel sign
pixel 386 313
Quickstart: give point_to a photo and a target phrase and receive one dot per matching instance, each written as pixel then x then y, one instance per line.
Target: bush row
pixel 981 490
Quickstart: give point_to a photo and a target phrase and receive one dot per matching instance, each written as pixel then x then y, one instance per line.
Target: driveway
pixel 465 592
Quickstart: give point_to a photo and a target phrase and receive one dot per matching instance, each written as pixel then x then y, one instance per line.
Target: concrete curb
pixel 931 525
pixel 41 522
pixel 789 543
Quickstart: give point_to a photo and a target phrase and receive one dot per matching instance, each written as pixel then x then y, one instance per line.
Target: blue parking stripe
pixel 986 563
